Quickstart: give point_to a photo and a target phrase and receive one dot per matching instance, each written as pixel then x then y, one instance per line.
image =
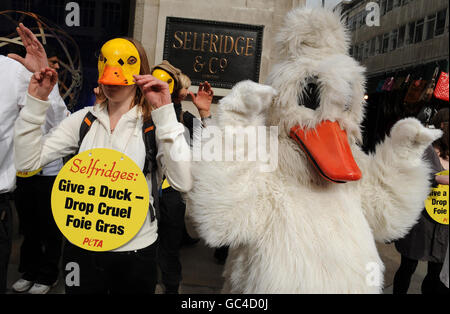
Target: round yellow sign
pixel 437 202
pixel 100 199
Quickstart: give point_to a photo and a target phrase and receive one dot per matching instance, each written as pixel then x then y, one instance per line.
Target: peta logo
pixel 373 15
pixel 92 242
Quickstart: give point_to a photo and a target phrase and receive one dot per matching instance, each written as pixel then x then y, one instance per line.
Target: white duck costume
pixel 310 226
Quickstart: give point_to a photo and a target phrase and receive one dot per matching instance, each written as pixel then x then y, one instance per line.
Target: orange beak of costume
pixel 113 76
pixel 328 150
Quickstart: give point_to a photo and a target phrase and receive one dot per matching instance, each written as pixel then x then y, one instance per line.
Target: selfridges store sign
pixel 218 52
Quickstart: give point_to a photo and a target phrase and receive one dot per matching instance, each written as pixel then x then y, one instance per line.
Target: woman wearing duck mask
pixel 132 96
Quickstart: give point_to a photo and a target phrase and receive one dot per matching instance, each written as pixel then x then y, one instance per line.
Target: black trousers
pixel 41 247
pixel 171 230
pixel 133 272
pixel 431 283
pixel 6 226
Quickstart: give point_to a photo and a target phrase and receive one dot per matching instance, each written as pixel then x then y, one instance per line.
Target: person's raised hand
pixel 42 83
pixel 156 92
pixel 203 99
pixel 36 57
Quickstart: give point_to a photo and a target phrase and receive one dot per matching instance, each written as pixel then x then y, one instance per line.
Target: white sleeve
pixel 57 111
pixel 174 155
pixel 32 149
pixel 24 77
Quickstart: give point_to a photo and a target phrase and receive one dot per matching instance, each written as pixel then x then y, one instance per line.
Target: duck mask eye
pixel 310 97
pixel 131 60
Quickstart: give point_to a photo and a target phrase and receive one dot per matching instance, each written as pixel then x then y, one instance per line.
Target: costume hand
pixel 156 92
pixel 410 139
pixel 36 58
pixel 203 99
pixel 42 83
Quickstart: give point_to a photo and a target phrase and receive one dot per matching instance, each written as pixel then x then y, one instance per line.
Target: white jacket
pixel 34 150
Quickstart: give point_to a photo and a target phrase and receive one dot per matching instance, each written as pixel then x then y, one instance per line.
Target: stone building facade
pixel 411 33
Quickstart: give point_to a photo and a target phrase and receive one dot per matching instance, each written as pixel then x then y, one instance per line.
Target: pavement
pixel 202 275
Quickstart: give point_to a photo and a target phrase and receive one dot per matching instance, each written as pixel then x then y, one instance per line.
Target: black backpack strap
pixel 151 166
pixel 178 110
pixel 89 118
pixel 85 126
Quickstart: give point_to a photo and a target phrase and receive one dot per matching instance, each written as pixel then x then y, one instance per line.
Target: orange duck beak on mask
pixel 326 146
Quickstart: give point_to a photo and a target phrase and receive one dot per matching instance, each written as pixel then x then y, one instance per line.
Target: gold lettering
pixel 248 46
pixel 210 65
pixel 214 43
pixel 198 65
pixel 204 41
pixel 214 39
pixel 178 39
pixel 186 40
pixel 195 43
pixel 223 64
pixel 231 39
pixel 237 44
pixel 221 44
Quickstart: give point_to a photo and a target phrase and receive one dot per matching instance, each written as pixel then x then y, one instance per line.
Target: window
pixel 379 44
pixel 419 31
pixel 431 22
pixel 363 17
pixel 411 29
pixel 383 7
pixel 389 5
pixel 393 44
pixel 372 47
pixel 352 23
pixel 440 22
pixel 385 43
pixel 111 13
pixel 366 49
pixel 57 9
pixel 401 35
pixel 358 20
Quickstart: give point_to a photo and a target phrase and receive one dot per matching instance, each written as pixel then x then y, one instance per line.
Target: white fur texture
pixel 290 231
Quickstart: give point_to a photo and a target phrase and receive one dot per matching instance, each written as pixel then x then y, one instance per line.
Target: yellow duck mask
pixel 164 76
pixel 118 62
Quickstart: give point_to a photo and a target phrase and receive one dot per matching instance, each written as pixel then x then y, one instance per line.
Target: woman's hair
pixel 185 81
pixel 440 121
pixel 139 99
